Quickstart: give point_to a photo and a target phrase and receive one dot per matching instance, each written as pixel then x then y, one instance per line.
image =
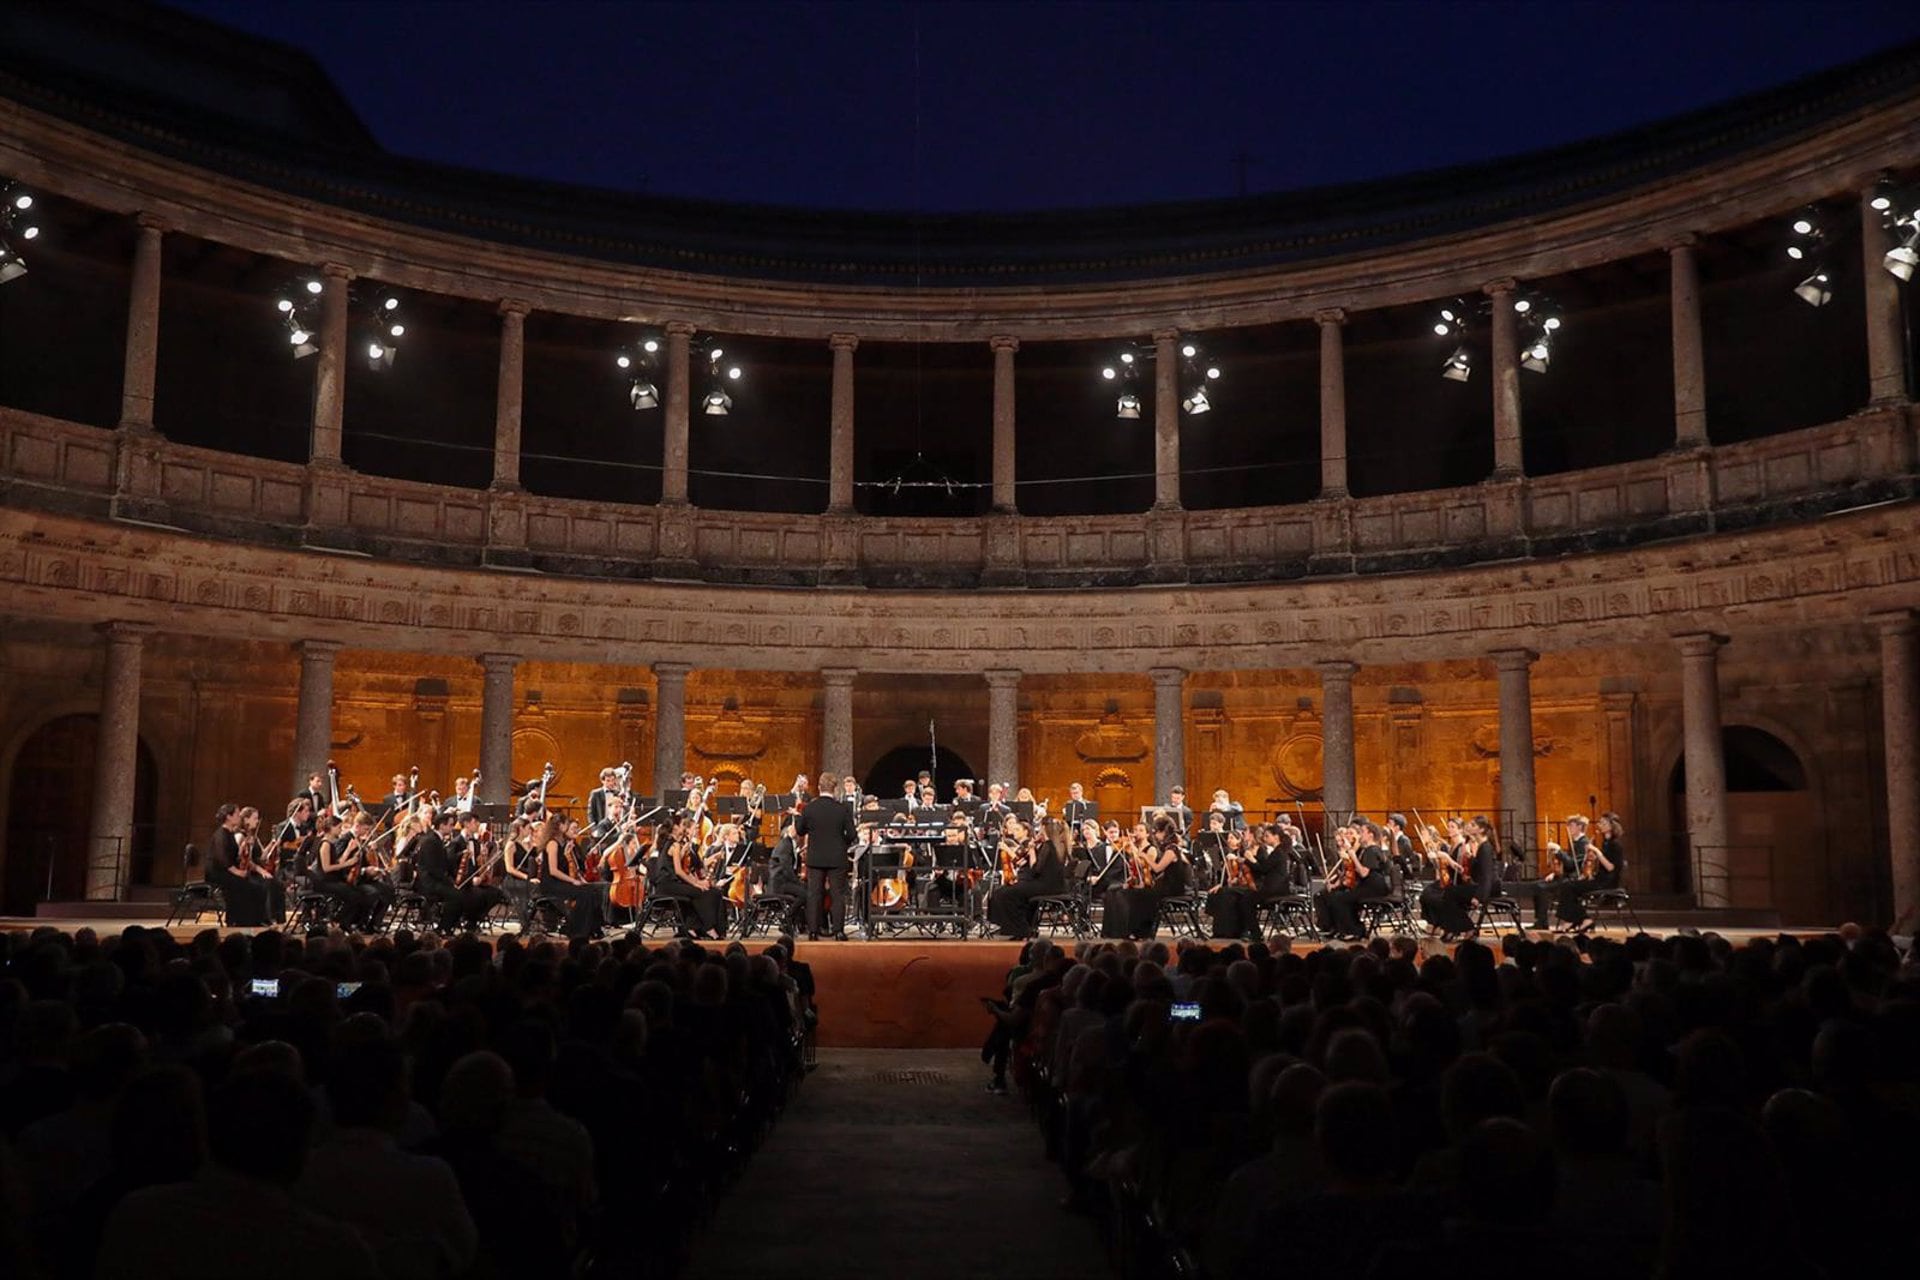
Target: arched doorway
pixel 1776 856
pixel 49 806
pixel 891 770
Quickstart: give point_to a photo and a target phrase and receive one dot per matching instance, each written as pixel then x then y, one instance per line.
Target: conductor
pixel 825 829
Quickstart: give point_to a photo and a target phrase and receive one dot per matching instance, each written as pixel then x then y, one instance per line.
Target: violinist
pixel 1562 867
pixel 478 873
pixel 1078 811
pixel 230 869
pixel 1361 873
pixel 561 877
pixel 1135 913
pixel 1401 846
pixel 1106 857
pixel 1040 870
pixel 783 870
pixel 1209 851
pixel 678 875
pixel 1235 902
pixel 263 863
pixel 1605 867
pixel 1474 880
pixel 342 851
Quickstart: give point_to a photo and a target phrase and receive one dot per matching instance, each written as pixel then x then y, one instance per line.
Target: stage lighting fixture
pixel 1902 259
pixel 11 268
pixel 1189 350
pixel 1213 373
pixel 1459 365
pixel 625 362
pixel 1109 373
pixel 23 201
pixel 1126 357
pixel 644 395
pixel 1802 227
pixel 1535 357
pixel 650 346
pixel 1523 305
pixel 316 288
pixel 1814 290
pixel 1129 406
pixel 1196 404
pixel 718 403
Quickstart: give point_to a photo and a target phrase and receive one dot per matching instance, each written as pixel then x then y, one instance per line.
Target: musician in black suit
pixel 826 827
pixel 597 798
pixel 1078 810
pixel 316 792
pixel 433 872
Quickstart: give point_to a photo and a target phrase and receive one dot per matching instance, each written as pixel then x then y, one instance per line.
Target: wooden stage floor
pixel 894 994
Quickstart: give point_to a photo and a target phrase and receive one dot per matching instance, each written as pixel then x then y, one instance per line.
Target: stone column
pixel 840 440
pixel 1003 727
pixel 1333 402
pixel 313 723
pixel 1900 703
pixel 1337 788
pixel 330 370
pixel 673 463
pixel 1003 420
pixel 496 727
pixel 1689 360
pixel 116 755
pixel 1166 420
pixel 507 399
pixel 836 728
pixel 1886 336
pixel 143 328
pixel 1516 745
pixel 1706 767
pixel 1169 731
pixel 670 726
pixel 1508 461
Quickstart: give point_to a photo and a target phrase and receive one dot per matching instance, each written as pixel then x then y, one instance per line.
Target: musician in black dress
pixel 1041 872
pixel 1104 869
pixel 245 893
pixel 1235 903
pixel 1606 869
pixel 1135 913
pixel 1449 908
pixel 561 878
pixel 1360 874
pixel 677 874
pixel 342 852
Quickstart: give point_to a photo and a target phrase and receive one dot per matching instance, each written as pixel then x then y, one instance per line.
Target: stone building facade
pixel 1716 639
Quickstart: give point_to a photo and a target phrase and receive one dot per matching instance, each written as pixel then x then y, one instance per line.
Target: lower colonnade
pixel 1527 692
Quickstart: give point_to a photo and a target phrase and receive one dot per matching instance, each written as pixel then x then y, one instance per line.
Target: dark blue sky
pixel 948 106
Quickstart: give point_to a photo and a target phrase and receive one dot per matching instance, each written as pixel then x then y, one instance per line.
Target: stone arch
pixel 48 801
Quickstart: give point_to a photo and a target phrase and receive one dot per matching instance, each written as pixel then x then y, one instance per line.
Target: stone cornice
pixel 1835 571
pixel 1289 276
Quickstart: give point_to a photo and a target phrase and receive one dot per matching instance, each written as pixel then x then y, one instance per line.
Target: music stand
pixel 491 814
pixel 1023 810
pixel 730 808
pixel 676 799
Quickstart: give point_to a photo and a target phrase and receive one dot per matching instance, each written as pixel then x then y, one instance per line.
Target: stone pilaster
pixel 508 397
pixel 116 756
pixel 1706 767
pixel 1336 738
pixel 313 721
pixel 1169 731
pixel 1516 745
pixel 670 726
pixel 496 727
pixel 1900 708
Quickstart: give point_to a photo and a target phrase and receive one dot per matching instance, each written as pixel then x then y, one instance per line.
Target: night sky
pixel 1020 106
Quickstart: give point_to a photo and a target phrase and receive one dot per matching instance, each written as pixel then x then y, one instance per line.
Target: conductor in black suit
pixel 826 824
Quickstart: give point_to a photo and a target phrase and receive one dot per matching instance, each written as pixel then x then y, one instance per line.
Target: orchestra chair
pixel 409 912
pixel 661 910
pixel 196 897
pixel 312 911
pixel 1616 904
pixel 1502 912
pixel 1071 911
pixel 544 915
pixel 770 913
pixel 1184 915
pixel 1290 913
pixel 1396 909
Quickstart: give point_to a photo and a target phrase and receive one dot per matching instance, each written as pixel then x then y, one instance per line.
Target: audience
pixel 1666 1107
pixel 390 1107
